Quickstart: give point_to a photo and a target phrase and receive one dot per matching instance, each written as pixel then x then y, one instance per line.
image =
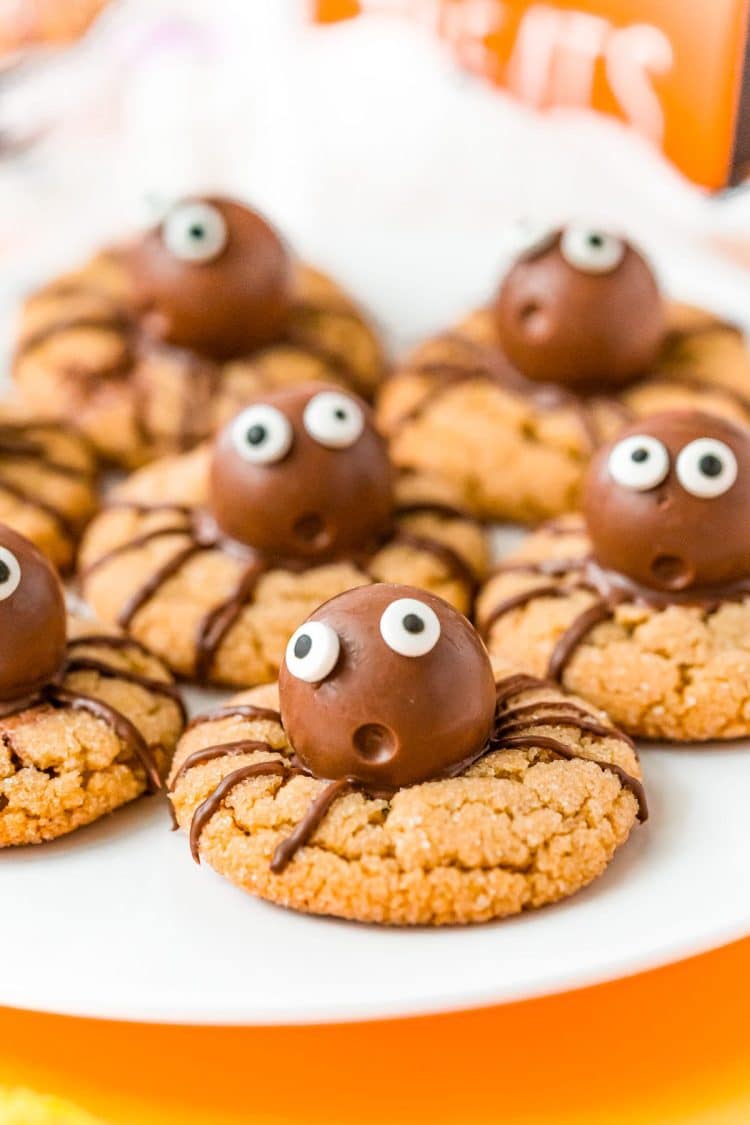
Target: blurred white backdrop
pixel 364 141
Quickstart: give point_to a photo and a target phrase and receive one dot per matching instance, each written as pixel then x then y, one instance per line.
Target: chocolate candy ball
pixel 301 473
pixel 668 502
pixel 213 277
pixel 580 308
pixel 32 618
pixel 389 686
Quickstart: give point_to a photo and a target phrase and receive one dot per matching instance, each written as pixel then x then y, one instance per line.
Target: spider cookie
pixel 213 559
pixel 47 482
pixel 644 607
pixel 88 720
pixel 390 778
pixel 151 345
pixel 577 342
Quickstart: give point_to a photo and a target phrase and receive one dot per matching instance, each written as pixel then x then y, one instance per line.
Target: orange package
pixel 676 73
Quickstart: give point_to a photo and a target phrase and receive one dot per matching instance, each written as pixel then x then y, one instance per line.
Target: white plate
pixel 116 921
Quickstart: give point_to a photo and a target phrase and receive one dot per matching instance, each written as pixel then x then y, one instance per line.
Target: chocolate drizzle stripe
pixel 555 719
pixel 107 322
pixel 550 568
pixel 560 713
pixel 222 750
pixel 125 730
pixel 212 803
pixel 517 684
pixel 456 566
pixel 14 444
pixel 64 524
pixel 518 601
pixel 147 591
pixel 287 849
pixel 109 671
pixel 235 710
pixel 566 644
pixel 133 545
pixel 543 742
pixel 218 621
pixel 434 508
pixel 4 802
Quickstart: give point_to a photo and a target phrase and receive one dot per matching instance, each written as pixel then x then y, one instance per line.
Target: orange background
pixel 698 94
pixel 668 1046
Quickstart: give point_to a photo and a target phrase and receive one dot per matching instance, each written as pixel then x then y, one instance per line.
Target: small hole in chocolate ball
pixel 4 572
pixel 672 571
pixel 375 743
pixel 311 530
pixel 256 435
pixel 302 646
pixel 710 465
pixel 413 624
pixel 529 310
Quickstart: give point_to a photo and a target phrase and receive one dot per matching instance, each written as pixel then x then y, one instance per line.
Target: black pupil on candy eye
pixel 596 240
pixel 197 231
pixel 339 414
pixel 710 465
pixel 413 624
pixel 302 646
pixel 256 435
pixel 639 455
pixel 4 571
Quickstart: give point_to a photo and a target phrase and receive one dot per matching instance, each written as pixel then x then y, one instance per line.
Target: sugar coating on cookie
pixel 511 403
pixel 154 344
pixel 325 795
pixel 214 559
pixel 86 721
pixel 643 607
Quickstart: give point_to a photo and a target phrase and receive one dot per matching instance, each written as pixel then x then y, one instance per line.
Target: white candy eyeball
pixel 312 652
pixel 639 462
pixel 194 232
pixel 593 251
pixel 706 467
pixel 527 236
pixel 334 419
pixel 10 573
pixel 410 627
pixel 262 434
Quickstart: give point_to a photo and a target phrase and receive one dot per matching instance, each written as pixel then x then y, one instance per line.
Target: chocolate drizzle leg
pixel 206 810
pixel 313 818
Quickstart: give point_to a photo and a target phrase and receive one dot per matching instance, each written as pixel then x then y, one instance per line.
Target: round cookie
pixel 213 559
pixel 643 607
pixel 48 482
pixel 511 404
pixel 322 793
pixel 152 345
pixel 88 719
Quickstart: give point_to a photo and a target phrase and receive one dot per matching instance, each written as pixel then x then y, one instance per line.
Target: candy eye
pixel 262 434
pixel 312 652
pixel 334 419
pixel 10 573
pixel 593 251
pixel 195 232
pixel 528 236
pixel 410 627
pixel 706 467
pixel 639 462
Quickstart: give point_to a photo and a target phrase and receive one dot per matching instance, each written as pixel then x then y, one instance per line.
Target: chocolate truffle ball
pixel 668 502
pixel 389 686
pixel 580 308
pixel 32 618
pixel 213 277
pixel 301 473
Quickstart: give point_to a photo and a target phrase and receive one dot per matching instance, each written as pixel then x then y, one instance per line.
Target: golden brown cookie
pixel 143 346
pixel 443 810
pixel 48 479
pixel 510 404
pixel 643 606
pixel 214 557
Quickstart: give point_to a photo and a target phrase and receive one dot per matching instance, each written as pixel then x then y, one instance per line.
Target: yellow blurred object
pixel 32 23
pixel 23 1107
